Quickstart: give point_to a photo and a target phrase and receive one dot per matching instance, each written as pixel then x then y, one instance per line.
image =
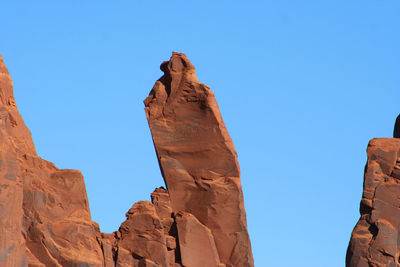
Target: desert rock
pixel 199 220
pixel 197 158
pixel 374 241
pixel 193 238
pixel 142 234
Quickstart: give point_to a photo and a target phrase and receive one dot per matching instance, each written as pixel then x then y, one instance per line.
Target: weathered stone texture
pixel 199 221
pixel 194 237
pixel 197 158
pixel 375 239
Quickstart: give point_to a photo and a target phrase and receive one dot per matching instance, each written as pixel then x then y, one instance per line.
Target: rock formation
pixel 198 162
pixel 396 131
pixel 375 240
pixel 44 212
pixel 199 221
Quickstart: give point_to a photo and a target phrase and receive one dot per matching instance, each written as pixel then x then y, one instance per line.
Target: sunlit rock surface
pixel 199 220
pixel 375 238
pixel 197 158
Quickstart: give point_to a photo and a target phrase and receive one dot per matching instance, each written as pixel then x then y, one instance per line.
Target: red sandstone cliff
pixel 199 221
pixel 375 241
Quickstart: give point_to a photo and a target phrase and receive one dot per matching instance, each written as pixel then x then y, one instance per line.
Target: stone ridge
pixel 199 221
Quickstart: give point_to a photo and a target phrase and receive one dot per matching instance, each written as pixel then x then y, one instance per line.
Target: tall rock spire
pixel 200 221
pixel 198 162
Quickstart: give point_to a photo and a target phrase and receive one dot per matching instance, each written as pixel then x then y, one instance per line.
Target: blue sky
pixel 302 87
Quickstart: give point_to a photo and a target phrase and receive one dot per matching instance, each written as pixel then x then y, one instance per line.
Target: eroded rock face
pixel 197 158
pixel 59 230
pixel 199 221
pixel 194 237
pixel 375 238
pixel 44 211
pixel 142 234
pixel 13 136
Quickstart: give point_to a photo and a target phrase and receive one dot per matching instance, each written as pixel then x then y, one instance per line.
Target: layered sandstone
pixel 199 221
pixel 375 238
pixel 198 160
pixel 44 212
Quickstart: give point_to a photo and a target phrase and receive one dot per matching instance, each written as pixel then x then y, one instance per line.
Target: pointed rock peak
pixel 3 68
pixel 179 83
pixel 6 86
pixel 5 77
pixel 198 162
pixel 178 63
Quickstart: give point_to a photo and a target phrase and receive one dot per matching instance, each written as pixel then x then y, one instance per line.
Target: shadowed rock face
pixel 375 238
pixel 199 221
pixel 197 158
pixel 396 131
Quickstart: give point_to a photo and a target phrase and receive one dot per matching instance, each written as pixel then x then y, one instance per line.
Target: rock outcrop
pixel 375 241
pixel 197 158
pixel 199 220
pixel 44 211
pixel 15 141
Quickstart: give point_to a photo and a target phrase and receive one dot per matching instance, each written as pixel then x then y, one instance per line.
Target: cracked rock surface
pixel 197 158
pixel 375 238
pixel 199 220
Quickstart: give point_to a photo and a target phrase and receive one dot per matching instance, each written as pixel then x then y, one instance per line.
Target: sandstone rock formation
pixel 44 211
pixel 375 238
pixel 198 160
pixel 199 221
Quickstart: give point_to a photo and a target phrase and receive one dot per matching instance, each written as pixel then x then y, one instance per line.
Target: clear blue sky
pixel 302 86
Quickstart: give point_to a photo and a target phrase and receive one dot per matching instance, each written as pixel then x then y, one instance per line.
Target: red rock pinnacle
pixel 199 165
pixel 200 221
